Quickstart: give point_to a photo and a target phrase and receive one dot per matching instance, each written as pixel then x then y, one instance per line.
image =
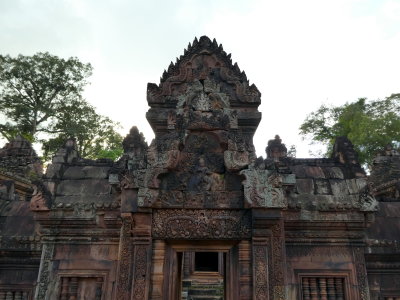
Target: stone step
pixel 208 292
pixel 202 297
pixel 208 286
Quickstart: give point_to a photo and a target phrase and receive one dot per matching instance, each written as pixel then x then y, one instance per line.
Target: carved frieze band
pixel 201 224
pixel 125 259
pixel 44 272
pixel 361 272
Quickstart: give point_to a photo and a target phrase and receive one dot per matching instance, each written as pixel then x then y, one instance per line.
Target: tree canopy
pixel 41 99
pixel 369 125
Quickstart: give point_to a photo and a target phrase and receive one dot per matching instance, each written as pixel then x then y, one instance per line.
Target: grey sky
pixel 300 54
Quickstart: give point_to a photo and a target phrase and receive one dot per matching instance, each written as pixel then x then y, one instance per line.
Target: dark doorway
pixel 201 270
pixel 203 275
pixel 206 261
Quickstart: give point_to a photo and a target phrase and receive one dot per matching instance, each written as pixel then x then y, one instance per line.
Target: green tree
pixel 41 99
pixel 95 135
pixel 369 125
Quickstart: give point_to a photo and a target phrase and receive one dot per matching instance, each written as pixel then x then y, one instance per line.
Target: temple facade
pixel 196 215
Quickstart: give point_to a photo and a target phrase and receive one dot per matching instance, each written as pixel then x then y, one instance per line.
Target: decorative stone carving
pixel 200 184
pixel 235 160
pixel 40 198
pixel 260 262
pixel 263 188
pixel 343 152
pixel 124 278
pixel 201 224
pixel 44 271
pixel 367 201
pixel 140 272
pixel 134 143
pixel 19 158
pixel 361 272
pixel 147 197
pixel 276 149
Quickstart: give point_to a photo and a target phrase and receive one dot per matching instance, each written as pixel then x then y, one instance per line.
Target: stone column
pixel 277 262
pixel 269 271
pixel 142 246
pixel 260 269
pixel 362 280
pixel 124 273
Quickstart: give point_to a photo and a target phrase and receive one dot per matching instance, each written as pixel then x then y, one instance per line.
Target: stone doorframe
pixel 173 260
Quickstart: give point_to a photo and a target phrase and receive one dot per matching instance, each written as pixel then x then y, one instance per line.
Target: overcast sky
pixel 299 54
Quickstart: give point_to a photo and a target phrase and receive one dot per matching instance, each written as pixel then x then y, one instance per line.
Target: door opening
pixel 203 275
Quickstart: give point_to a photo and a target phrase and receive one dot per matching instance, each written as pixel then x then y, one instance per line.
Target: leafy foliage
pixel 40 99
pixel 369 125
pixel 95 134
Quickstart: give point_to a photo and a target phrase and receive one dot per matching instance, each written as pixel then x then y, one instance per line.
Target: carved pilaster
pixel 125 258
pixel 141 256
pixel 260 265
pixel 361 272
pixel 268 228
pixel 140 272
pixel 277 263
pixel 44 271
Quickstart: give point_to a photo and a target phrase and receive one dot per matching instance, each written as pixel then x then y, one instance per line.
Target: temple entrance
pixel 203 275
pixel 201 271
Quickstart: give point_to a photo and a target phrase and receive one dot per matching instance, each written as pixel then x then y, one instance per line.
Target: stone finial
pixel 385 173
pixel 67 153
pixel 134 142
pixel 276 149
pixel 17 147
pixel 343 151
pixel 18 157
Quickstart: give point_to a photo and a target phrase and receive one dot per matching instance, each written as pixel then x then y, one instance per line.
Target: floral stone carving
pixel 201 224
pixel 264 188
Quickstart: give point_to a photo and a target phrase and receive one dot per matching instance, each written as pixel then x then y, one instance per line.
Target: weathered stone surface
pixel 83 187
pixel 305 186
pixel 322 187
pixel 19 158
pixel 333 172
pixel 281 227
pixel 352 186
pixel 314 172
pixel 339 187
pixel 263 188
pixel 87 172
pixel 235 160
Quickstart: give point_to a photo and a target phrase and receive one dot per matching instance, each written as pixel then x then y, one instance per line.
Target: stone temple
pixel 195 214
